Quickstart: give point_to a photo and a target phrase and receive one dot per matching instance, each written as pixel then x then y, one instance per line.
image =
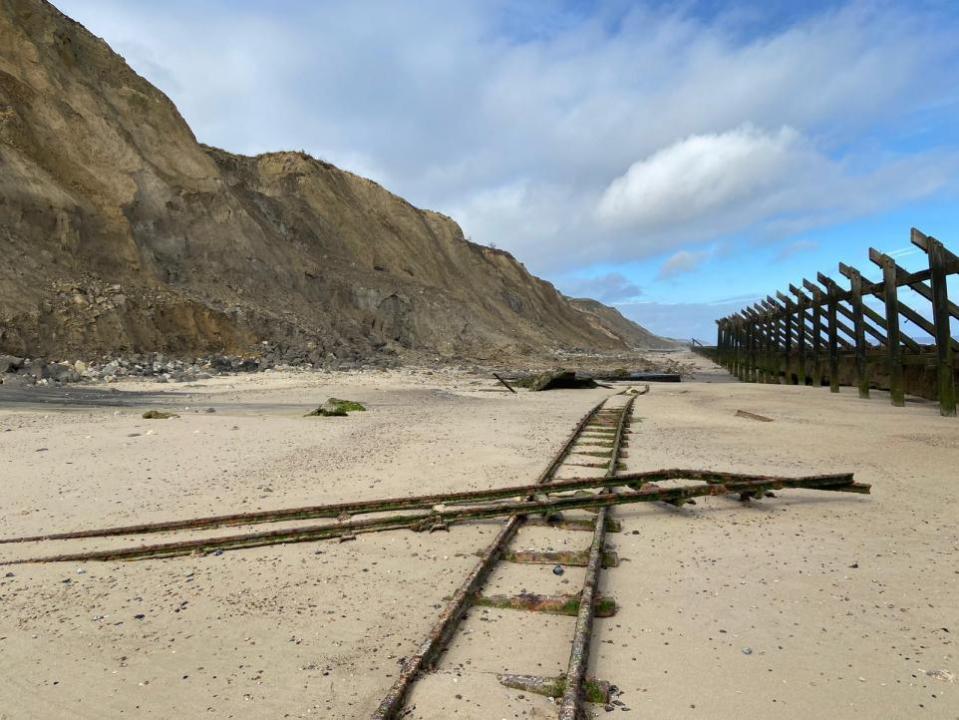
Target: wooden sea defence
pixel 826 333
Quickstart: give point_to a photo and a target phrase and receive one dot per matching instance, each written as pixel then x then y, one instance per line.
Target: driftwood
pixel 555 379
pixel 752 416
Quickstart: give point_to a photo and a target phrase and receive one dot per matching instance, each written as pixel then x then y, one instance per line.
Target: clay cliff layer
pixel 119 232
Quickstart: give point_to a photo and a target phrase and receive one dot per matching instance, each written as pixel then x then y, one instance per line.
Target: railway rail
pixel 602 424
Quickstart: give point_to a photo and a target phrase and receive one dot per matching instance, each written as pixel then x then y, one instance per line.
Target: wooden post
pixel 801 304
pixel 859 326
pixel 787 316
pixel 750 346
pixel 783 348
pixel 940 320
pixel 897 390
pixel 778 346
pixel 721 342
pixel 743 350
pixel 817 342
pixel 833 296
pixel 765 349
pixel 819 299
pixel 738 330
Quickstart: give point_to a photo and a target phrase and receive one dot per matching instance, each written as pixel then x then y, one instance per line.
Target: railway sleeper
pixel 594 690
pixel 565 604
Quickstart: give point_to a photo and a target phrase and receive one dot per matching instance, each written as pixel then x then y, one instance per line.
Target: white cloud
pixel 700 176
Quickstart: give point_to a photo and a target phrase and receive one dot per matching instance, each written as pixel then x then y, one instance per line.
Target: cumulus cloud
pixel 699 176
pixel 777 182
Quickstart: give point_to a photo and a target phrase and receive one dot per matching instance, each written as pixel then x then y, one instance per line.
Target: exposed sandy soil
pixel 802 605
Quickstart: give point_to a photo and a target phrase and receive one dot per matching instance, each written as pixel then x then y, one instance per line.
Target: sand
pixel 797 605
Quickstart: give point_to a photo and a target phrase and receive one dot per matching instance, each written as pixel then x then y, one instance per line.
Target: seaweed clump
pixel 158 415
pixel 334 407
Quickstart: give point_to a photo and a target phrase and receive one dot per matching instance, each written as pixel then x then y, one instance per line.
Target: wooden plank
pixel 508 386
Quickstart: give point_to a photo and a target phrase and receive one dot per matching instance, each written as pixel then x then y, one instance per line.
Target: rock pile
pixel 25 371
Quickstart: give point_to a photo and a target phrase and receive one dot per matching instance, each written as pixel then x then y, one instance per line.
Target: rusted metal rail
pixel 570 709
pixel 648 492
pixel 416 502
pixel 441 633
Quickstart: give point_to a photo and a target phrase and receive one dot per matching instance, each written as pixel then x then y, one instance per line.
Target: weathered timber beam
pixel 822 298
pixel 905 279
pixel 841 296
pixel 939 258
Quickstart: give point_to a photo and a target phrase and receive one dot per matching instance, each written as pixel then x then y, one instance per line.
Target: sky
pixel 677 160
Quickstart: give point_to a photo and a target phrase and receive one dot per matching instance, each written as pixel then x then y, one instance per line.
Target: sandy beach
pixel 794 606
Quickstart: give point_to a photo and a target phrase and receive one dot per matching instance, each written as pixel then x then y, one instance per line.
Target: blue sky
pixel 676 160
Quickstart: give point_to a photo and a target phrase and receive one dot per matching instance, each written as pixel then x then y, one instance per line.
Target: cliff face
pixel 120 232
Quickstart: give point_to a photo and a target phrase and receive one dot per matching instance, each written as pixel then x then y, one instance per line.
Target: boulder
pixel 9 363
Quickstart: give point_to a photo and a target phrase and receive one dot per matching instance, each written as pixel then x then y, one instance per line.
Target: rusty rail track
pixel 719 484
pixel 443 631
pixel 579 654
pixel 840 481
